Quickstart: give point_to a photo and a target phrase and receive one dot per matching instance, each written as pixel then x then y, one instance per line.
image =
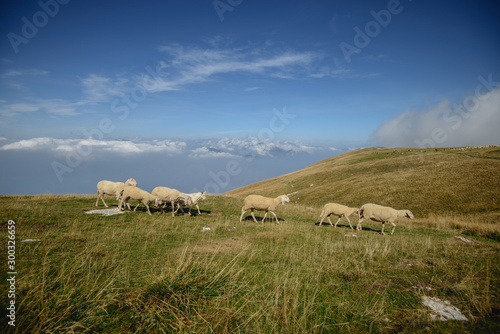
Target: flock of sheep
pixel 128 190
pixel 125 191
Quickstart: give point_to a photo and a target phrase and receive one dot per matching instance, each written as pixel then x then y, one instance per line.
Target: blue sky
pixel 93 90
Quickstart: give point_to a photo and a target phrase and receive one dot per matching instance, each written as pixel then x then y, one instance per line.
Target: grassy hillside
pixel 452 181
pixel 135 273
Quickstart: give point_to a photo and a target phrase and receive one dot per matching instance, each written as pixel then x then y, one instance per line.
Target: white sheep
pixel 112 188
pixel 261 203
pixel 381 214
pixel 173 196
pixel 338 210
pixel 140 195
pixel 195 198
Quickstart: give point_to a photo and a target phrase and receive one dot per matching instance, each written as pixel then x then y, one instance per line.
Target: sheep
pixel 112 188
pixel 173 196
pixel 261 203
pixel 142 196
pixel 381 214
pixel 195 197
pixel 338 210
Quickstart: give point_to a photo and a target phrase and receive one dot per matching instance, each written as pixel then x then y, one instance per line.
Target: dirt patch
pixel 215 214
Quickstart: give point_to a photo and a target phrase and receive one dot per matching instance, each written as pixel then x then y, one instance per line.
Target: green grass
pixel 135 273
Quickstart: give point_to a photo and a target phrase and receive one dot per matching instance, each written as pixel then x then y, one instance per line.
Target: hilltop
pixel 444 181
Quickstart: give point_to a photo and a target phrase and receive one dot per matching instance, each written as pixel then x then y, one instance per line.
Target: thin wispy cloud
pixel 51 106
pixel 25 72
pixel 98 88
pixel 192 65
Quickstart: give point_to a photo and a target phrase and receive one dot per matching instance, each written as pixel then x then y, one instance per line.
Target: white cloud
pixel 251 146
pixel 101 89
pixel 93 145
pixel 30 72
pixel 251 89
pixel 17 108
pixel 474 121
pixel 209 152
pixel 190 65
pixel 51 106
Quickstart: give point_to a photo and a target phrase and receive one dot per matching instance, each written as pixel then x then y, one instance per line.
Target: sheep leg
pixel 321 222
pixel 358 227
pixel 128 205
pixel 277 222
pixel 349 222
pixel 253 216
pixel 173 207
pixel 137 205
pixel 383 225
pixel 178 206
pixel 265 214
pixel 102 199
pixel 242 213
pixel 197 208
pixel 393 227
pixel 147 208
pixel 337 221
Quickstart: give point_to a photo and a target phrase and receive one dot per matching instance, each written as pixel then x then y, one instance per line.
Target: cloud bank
pixel 249 147
pixel 85 146
pixel 219 148
pixel 216 165
pixel 473 122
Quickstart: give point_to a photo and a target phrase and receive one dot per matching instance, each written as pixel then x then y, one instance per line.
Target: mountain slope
pixel 439 181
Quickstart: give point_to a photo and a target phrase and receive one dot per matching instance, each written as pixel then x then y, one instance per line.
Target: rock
pixel 443 310
pixel 463 239
pixel 106 212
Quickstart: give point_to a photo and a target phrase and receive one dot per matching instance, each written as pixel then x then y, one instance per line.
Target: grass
pixel 135 273
pixel 446 182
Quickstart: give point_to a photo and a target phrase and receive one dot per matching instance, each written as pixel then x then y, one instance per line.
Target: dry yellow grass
pixel 442 182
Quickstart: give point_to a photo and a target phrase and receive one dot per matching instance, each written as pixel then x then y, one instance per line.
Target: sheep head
pixel 284 199
pixel 157 202
pixel 409 214
pixel 131 182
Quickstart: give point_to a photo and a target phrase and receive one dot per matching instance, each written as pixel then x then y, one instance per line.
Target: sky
pixel 213 95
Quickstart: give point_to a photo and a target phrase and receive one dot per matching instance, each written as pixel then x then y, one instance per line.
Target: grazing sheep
pixel 381 214
pixel 338 210
pixel 195 197
pixel 173 196
pixel 140 195
pixel 261 203
pixel 112 188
